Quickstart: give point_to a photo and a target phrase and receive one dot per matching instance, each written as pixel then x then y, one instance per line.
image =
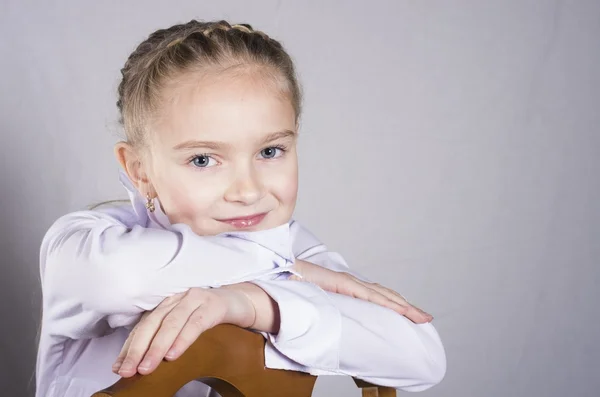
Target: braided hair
pixel 210 47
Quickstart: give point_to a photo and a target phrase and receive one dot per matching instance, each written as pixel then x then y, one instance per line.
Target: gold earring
pixel 149 203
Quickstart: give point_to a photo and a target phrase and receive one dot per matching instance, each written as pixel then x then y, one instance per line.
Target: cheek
pixel 184 202
pixel 289 191
pixel 285 185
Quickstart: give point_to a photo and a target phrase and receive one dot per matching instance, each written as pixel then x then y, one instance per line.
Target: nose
pixel 246 187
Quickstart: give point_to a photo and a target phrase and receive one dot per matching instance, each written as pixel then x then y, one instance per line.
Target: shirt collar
pixel 277 239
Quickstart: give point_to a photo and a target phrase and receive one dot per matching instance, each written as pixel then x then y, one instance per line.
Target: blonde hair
pixel 211 47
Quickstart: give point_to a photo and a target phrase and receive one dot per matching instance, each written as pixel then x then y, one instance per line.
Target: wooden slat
pixel 230 360
pixel 371 390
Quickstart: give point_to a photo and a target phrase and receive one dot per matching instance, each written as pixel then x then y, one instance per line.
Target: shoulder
pixel 120 211
pixel 102 217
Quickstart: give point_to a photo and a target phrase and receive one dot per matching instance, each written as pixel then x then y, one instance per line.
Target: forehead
pixel 225 108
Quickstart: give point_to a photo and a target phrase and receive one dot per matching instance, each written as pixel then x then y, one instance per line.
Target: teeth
pixel 242 223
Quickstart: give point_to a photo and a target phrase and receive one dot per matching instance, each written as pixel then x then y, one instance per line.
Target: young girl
pixel 211 115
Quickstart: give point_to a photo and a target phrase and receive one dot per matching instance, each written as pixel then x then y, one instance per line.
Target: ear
pixel 132 163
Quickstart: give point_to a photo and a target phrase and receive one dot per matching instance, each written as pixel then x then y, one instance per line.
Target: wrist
pixel 240 307
pixel 265 310
pixel 298 265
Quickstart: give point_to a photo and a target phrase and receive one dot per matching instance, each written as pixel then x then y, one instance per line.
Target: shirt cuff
pixel 310 328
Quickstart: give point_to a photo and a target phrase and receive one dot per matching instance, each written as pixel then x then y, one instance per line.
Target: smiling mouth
pixel 244 222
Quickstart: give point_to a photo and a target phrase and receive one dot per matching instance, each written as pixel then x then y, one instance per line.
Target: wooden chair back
pixel 230 360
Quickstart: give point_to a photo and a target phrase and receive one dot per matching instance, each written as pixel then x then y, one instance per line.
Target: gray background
pixel 449 149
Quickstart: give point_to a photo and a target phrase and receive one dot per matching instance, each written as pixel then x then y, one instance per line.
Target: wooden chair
pixel 230 360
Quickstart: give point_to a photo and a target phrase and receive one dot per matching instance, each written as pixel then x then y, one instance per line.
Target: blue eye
pixel 272 152
pixel 202 161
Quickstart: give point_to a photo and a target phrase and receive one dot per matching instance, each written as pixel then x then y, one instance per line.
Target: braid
pixel 196 45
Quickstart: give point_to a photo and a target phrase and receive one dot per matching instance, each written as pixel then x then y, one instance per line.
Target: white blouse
pixel 101 269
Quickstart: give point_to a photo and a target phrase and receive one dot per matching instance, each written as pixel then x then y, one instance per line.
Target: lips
pixel 244 222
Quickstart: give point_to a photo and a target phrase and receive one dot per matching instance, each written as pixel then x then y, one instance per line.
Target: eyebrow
pixel 192 144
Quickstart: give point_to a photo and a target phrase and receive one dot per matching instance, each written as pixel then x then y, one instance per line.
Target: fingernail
pixel 171 354
pixel 116 366
pixel 145 364
pixel 126 367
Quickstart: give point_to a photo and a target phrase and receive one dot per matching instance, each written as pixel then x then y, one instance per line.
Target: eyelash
pixel 280 147
pixel 191 159
pixel 208 155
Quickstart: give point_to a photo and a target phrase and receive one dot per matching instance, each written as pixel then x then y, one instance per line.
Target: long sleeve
pixel 102 270
pixel 99 271
pixel 306 246
pixel 326 334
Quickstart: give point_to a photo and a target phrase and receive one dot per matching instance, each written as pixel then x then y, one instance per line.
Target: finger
pixel 117 365
pixel 382 296
pixel 380 299
pixel 164 338
pixel 413 313
pixel 399 298
pixel 119 360
pixel 362 291
pixel 201 320
pixel 140 341
pixel 390 293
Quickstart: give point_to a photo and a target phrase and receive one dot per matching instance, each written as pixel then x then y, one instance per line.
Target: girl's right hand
pixel 346 284
pixel 169 329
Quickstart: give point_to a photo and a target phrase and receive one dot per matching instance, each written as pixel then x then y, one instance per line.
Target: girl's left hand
pixel 346 284
pixel 169 329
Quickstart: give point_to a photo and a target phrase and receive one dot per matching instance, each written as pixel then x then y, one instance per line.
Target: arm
pixel 317 333
pixel 101 271
pixel 266 310
pixel 325 333
pixel 173 326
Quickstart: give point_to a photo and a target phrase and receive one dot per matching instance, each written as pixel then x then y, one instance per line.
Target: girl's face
pixel 223 154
